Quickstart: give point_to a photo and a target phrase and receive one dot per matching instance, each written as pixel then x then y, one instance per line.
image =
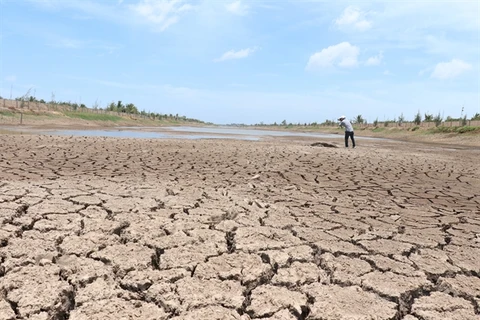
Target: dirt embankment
pixel 102 228
pixel 85 119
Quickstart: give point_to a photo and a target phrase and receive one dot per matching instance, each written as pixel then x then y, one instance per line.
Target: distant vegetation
pixel 437 119
pixel 74 109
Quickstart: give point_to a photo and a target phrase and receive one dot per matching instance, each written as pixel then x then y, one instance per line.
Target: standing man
pixel 348 130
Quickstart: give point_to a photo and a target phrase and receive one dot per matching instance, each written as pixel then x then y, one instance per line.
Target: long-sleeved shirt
pixel 348 126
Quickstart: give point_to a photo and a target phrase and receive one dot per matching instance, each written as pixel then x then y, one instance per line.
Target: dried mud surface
pixel 101 228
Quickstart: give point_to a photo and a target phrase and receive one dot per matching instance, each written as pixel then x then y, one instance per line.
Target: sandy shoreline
pixel 104 228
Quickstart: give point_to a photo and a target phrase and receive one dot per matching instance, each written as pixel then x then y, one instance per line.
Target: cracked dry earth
pixel 102 228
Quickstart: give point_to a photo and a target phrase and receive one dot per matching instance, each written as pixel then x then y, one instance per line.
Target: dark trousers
pixel 349 134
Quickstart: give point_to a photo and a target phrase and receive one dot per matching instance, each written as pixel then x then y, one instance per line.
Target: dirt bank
pixel 103 228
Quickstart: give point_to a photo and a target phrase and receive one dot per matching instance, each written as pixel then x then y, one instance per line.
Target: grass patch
pixel 6 113
pixel 464 129
pixel 40 116
pixel 93 116
pixel 378 129
pixel 443 129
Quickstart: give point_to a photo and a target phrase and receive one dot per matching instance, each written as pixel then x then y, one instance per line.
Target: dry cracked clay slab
pixel 104 228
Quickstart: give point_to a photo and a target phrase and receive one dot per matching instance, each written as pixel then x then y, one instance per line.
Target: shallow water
pixel 261 133
pixel 184 133
pixel 250 132
pixel 142 134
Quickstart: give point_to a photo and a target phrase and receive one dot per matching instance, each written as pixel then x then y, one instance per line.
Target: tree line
pixel 359 119
pixel 118 107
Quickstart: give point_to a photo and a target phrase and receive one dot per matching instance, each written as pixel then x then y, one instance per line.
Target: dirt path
pixel 103 228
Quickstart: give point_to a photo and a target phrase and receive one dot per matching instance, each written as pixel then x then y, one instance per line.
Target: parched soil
pixel 103 228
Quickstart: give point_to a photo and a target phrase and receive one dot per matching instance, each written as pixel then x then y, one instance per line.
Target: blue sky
pixel 247 61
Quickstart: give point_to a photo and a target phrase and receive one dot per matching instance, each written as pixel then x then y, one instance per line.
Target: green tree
pixel 112 107
pixel 401 119
pixel 121 107
pixel 418 118
pixel 476 116
pixel 438 119
pixel 428 117
pixel 359 119
pixel 130 108
pixel 284 122
pixel 375 123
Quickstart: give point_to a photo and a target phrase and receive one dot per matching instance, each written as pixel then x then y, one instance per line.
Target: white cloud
pixel 353 17
pixel 161 13
pixel 375 60
pixel 449 70
pixel 342 55
pixel 232 54
pixel 237 7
